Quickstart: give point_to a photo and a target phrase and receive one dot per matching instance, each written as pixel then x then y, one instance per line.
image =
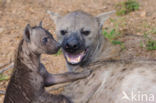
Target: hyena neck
pixel 98 49
pixel 105 50
pixel 27 57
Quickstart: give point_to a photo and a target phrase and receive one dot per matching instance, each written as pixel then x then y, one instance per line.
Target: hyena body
pixel 30 76
pixel 85 47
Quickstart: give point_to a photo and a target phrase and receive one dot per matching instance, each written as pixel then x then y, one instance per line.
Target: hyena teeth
pixel 74 58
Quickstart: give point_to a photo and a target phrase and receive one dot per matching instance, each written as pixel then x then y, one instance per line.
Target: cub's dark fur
pixel 30 76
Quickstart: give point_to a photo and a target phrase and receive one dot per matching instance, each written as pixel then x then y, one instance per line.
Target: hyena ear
pixel 54 16
pixel 104 16
pixel 27 33
pixel 40 24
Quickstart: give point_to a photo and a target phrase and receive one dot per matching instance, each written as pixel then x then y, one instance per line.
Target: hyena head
pixel 80 34
pixel 39 40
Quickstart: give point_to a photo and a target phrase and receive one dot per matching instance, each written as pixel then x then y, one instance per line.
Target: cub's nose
pixel 54 47
pixel 58 45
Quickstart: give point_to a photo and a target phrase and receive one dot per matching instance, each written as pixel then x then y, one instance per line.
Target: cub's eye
pixel 63 32
pixel 85 32
pixel 45 40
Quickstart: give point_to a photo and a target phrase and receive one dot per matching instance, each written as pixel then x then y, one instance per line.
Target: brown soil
pixel 15 14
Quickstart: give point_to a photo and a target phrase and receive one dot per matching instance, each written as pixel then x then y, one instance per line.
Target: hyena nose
pixel 72 45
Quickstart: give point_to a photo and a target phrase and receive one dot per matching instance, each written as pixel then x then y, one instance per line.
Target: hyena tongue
pixel 74 58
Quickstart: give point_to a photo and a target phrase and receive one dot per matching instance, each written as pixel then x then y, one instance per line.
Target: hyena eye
pixel 85 32
pixel 45 40
pixel 63 32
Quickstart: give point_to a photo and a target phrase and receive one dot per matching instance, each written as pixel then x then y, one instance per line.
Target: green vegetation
pixel 116 42
pixel 151 44
pixel 126 7
pixel 59 52
pixel 153 31
pixel 112 37
pixel 3 77
pixel 141 44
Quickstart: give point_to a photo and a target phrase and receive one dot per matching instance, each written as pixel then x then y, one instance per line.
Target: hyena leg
pixel 52 79
pixel 65 77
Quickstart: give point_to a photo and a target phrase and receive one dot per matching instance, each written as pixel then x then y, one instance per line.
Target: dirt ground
pixel 15 14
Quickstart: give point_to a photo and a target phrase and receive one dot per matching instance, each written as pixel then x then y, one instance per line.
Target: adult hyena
pixel 112 81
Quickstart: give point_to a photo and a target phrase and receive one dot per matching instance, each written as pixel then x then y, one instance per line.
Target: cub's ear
pixel 104 16
pixel 40 24
pixel 27 33
pixel 54 16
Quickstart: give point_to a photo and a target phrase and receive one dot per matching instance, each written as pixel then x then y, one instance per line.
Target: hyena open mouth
pixel 74 48
pixel 75 58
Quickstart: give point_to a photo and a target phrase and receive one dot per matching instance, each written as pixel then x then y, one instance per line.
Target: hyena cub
pixel 30 76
